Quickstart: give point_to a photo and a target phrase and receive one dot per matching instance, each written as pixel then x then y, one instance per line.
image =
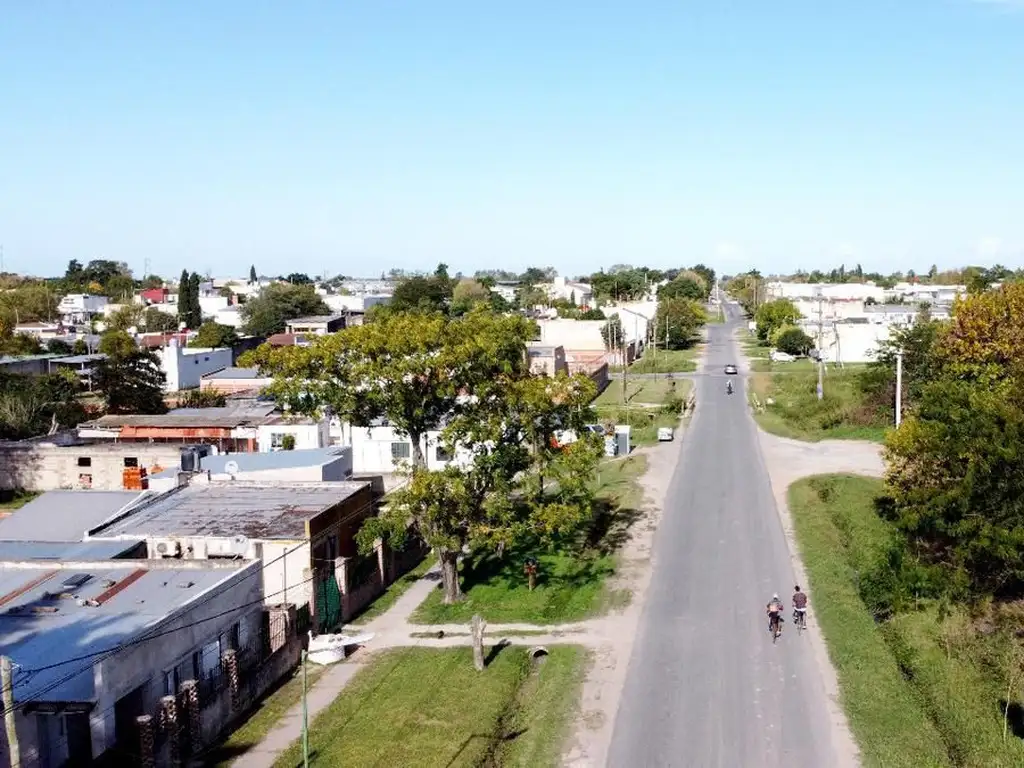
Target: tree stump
pixel 478 625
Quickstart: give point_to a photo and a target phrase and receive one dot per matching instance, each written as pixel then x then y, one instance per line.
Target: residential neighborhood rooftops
pixel 63 550
pixel 236 373
pixel 227 417
pixel 314 319
pixel 63 515
pixel 80 359
pixel 253 510
pixel 50 614
pixel 255 462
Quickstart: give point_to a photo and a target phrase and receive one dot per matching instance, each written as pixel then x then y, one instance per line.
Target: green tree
pixel 682 318
pixel 277 304
pixel 467 294
pixel 195 316
pixel 213 335
pixel 682 288
pixel 421 294
pixel 131 383
pixel 253 279
pixel 299 278
pixel 184 298
pixel 921 364
pixel 152 281
pixel 58 347
pixel 202 398
pixel 125 317
pixel 36 405
pixel 708 274
pixel 114 343
pixel 20 344
pixel 157 321
pixel 772 315
pixel 409 368
pixel 792 340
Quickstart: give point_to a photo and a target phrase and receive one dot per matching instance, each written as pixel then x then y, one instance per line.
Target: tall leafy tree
pixel 252 275
pixel 184 298
pixel 277 304
pixel 773 315
pixel 213 335
pixel 129 378
pixel 679 320
pixel 195 317
pixel 683 287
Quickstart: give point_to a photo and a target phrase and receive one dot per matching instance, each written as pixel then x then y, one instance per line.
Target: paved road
pixel 706 686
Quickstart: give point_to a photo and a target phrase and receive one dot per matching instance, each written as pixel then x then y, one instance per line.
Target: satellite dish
pixel 231 467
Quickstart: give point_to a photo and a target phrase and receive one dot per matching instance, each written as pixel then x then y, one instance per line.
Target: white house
pixel 360 302
pixel 76 308
pixel 382 450
pixel 581 294
pixel 308 433
pixel 211 304
pixel 185 367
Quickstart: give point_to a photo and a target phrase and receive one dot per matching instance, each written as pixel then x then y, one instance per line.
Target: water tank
pixel 189 460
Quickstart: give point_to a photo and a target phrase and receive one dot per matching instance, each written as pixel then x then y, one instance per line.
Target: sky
pixel 353 137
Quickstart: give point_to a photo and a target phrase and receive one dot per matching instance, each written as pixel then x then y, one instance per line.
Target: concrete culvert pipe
pixel 538 652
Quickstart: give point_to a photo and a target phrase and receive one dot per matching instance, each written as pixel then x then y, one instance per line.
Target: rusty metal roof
pixel 231 509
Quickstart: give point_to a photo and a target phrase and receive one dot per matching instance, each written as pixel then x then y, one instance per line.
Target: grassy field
pixel 648 405
pixel 571 582
pixel 428 707
pixel 918 689
pixel 12 500
pixel 262 719
pixel 657 360
pixel 796 412
pixel 394 591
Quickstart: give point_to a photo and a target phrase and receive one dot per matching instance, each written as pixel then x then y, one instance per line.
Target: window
pixel 441 454
pixel 131 461
pixel 84 480
pixel 277 441
pixel 400 451
pixel 84 461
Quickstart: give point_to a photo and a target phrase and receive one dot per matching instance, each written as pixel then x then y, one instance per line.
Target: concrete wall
pixel 48 467
pixel 185 368
pixel 572 334
pixel 372 452
pixel 306 435
pixel 145 664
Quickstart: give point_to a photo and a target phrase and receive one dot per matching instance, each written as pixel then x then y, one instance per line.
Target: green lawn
pixel 649 404
pixel 796 411
pixel 571 579
pixel 657 360
pixel 918 689
pixel 394 591
pixel 264 716
pixel 429 707
pixel 16 499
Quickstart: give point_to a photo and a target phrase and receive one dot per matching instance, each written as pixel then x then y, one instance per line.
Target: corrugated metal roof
pixel 63 515
pixel 254 462
pixel 35 635
pixel 79 359
pixel 236 373
pixel 253 510
pixel 13 551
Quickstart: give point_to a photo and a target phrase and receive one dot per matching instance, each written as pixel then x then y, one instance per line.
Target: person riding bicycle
pixel 774 609
pixel 728 387
pixel 799 604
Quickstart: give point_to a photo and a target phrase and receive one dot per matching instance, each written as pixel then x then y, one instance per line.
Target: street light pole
pixel 899 387
pixel 305 717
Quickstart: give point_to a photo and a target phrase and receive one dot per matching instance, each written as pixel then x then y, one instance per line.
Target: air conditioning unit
pixel 167 548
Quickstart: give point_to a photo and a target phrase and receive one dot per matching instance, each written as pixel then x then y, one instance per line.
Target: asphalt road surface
pixel 706 686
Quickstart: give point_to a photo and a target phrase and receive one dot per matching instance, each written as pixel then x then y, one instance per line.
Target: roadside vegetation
pixel 11 500
pixel 926 680
pixel 429 707
pixel 643 404
pixel 572 575
pixel 394 591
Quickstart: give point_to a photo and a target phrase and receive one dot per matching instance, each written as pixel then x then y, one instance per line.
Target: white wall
pixel 185 368
pixel 306 435
pixel 211 305
pixel 372 452
pixel 575 335
pixel 354 302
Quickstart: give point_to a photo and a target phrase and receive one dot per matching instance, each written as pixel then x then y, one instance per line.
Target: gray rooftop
pixel 253 510
pixel 38 627
pixel 7 359
pixel 255 462
pixel 15 551
pixel 79 359
pixel 63 515
pixel 316 319
pixel 183 418
pixel 236 373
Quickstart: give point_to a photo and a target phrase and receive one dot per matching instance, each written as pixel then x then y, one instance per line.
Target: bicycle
pixel 775 627
pixel 800 620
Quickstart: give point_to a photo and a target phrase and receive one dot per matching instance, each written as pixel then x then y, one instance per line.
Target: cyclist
pixel 775 608
pixel 799 605
pixel 728 387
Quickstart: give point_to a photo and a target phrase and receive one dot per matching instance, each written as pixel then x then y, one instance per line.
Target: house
pixel 316 325
pixel 288 340
pixel 303 533
pixel 84 366
pixel 546 360
pixel 584 336
pixel 39 330
pixel 109 640
pixel 381 449
pixel 245 428
pixel 26 365
pixel 185 367
pixel 155 295
pixel 80 308
pixel 232 380
pixel 312 465
pixel 67 461
pixel 343 304
pixel 580 294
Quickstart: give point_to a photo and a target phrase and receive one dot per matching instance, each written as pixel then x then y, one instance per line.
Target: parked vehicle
pixel 665 434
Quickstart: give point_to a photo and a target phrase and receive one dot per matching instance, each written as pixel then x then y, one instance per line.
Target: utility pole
pixel 821 359
pixel 13 749
pixel 305 716
pixel 899 387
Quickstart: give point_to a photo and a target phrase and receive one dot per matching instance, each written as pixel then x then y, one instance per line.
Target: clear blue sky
pixel 356 136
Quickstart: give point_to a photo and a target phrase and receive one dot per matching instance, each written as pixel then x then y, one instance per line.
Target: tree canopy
pixel 678 320
pixel 211 334
pixel 278 303
pixel 773 315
